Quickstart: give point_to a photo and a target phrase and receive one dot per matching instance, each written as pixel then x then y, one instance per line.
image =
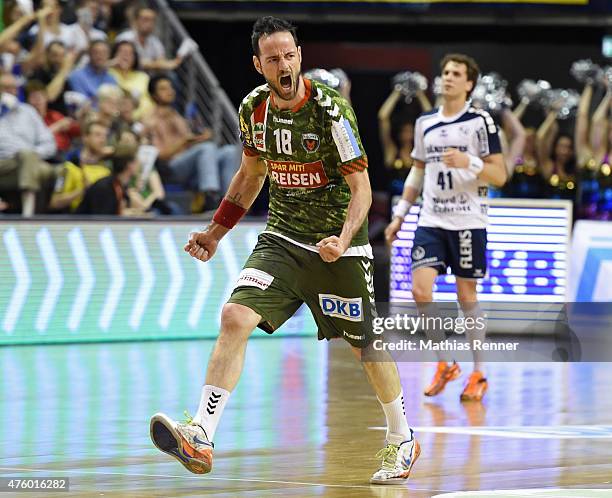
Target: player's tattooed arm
pixel 235 198
pixel 243 190
pixel 247 182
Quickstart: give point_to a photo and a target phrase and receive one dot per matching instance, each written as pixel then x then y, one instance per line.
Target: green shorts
pixel 279 276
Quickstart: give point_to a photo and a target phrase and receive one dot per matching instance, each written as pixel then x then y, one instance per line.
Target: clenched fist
pixel 201 245
pixel 331 248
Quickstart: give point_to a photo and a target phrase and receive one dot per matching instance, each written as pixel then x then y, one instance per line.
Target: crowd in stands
pixel 85 87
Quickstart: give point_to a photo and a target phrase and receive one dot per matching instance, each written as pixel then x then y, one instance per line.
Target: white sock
pixel 397 425
pixel 212 403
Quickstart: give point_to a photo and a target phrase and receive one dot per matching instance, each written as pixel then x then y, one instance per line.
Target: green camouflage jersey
pixel 307 150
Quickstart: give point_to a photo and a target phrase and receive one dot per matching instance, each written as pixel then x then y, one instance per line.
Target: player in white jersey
pixel 457 155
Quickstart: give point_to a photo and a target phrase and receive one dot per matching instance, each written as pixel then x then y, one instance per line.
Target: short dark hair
pixel 267 25
pixel 141 8
pixel 53 43
pixel 153 84
pixel 131 44
pixel 473 71
pixel 91 124
pixel 98 42
pixel 123 156
pixel 35 86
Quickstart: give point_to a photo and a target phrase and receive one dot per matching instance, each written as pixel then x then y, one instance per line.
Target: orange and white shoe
pixel 397 462
pixel 188 443
pixel 475 388
pixel 444 374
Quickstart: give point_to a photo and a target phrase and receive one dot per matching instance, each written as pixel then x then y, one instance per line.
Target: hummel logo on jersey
pixel 276 119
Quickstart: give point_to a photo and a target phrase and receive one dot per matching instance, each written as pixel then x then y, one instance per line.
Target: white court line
pixel 171 476
pixel 521 432
pixel 535 492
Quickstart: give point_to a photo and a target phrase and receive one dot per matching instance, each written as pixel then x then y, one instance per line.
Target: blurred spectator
pixel 15 59
pixel 127 108
pixel 146 191
pixel 103 19
pixel 108 113
pixel 88 79
pixel 129 78
pixel 556 157
pixel 397 143
pixel 57 65
pixel 195 161
pixel 17 21
pixel 64 129
pixel 76 177
pixel 90 20
pixel 594 138
pixel 529 159
pixel 75 36
pixel 121 14
pixel 593 149
pixel 513 141
pixel 525 181
pixel 150 48
pixel 25 141
pixel 109 196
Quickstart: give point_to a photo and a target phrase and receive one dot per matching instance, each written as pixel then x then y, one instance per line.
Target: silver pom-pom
pixel 571 99
pixel 586 71
pixel 437 86
pixel 341 75
pixel 564 101
pixel 531 91
pixel 323 76
pixel 490 93
pixel 409 83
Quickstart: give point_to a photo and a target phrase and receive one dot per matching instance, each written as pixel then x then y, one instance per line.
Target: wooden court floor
pixel 302 423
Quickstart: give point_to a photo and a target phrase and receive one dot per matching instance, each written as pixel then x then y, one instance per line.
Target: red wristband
pixel 228 214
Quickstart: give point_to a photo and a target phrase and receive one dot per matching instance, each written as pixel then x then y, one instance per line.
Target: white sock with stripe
pixel 212 403
pixel 398 430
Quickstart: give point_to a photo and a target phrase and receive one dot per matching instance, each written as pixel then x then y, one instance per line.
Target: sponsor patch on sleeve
pixel 251 277
pixel 345 140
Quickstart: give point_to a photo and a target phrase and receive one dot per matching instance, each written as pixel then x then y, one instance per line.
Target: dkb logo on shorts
pixel 341 307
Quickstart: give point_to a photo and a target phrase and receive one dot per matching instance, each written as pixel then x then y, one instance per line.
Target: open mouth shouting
pixel 286 83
